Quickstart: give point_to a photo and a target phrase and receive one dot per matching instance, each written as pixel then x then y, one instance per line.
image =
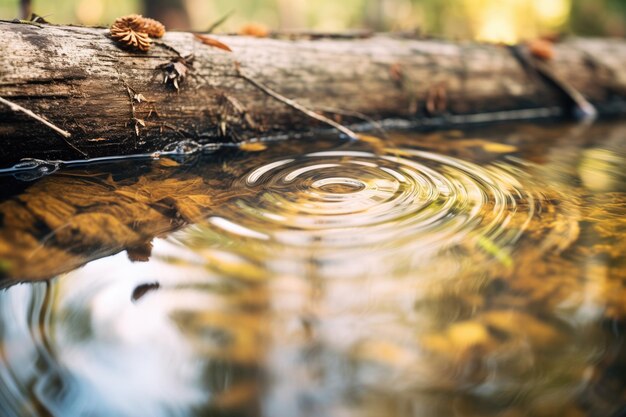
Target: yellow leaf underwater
pixel 252 146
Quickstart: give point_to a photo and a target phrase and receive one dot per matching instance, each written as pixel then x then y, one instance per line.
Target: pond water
pixel 475 273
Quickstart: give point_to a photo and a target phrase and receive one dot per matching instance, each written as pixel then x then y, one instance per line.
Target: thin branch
pixel 296 105
pixel 17 107
pixel 167 47
pixel 315 35
pixel 341 112
pixel 583 110
pixel 131 97
pixel 219 22
pixel 64 133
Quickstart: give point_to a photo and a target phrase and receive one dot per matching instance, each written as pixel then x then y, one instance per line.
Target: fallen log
pixel 72 93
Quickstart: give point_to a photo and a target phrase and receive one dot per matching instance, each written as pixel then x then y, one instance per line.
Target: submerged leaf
pixel 377 144
pixel 253 147
pixel 168 162
pixel 143 289
pixel 501 254
pixel 494 147
pixel 4 266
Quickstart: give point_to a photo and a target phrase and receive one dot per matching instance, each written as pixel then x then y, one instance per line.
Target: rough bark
pixel 81 81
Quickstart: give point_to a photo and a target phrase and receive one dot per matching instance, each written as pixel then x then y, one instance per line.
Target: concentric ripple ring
pixel 355 198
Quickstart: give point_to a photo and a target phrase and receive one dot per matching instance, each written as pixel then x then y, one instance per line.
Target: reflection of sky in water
pixel 158 370
pixel 344 283
pixel 115 357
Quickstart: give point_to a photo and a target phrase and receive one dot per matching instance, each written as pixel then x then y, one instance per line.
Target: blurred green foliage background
pixel 493 20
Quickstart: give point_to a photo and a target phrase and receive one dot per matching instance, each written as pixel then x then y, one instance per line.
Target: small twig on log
pixel 296 105
pixel 64 133
pixel 437 99
pixel 168 48
pixel 583 110
pixel 315 35
pixel 349 113
pixel 17 107
pixel 132 96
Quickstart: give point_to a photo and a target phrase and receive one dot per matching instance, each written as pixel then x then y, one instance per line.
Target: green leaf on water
pixel 4 266
pixel 494 250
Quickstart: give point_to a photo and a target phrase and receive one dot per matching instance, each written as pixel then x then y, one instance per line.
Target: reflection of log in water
pixel 65 220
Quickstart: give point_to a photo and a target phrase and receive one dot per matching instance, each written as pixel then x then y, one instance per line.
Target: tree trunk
pixel 113 101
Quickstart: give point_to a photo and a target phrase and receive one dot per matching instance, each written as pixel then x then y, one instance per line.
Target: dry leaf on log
pixel 176 71
pixel 35 18
pixel 542 49
pixel 254 29
pixel 207 40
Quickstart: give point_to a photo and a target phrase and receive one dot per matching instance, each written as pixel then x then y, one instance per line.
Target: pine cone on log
pixel 130 31
pixel 153 28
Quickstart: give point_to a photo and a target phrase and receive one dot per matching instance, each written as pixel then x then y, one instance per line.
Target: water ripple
pixel 342 282
pixel 351 199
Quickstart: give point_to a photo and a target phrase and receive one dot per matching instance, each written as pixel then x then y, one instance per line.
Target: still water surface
pixel 474 274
